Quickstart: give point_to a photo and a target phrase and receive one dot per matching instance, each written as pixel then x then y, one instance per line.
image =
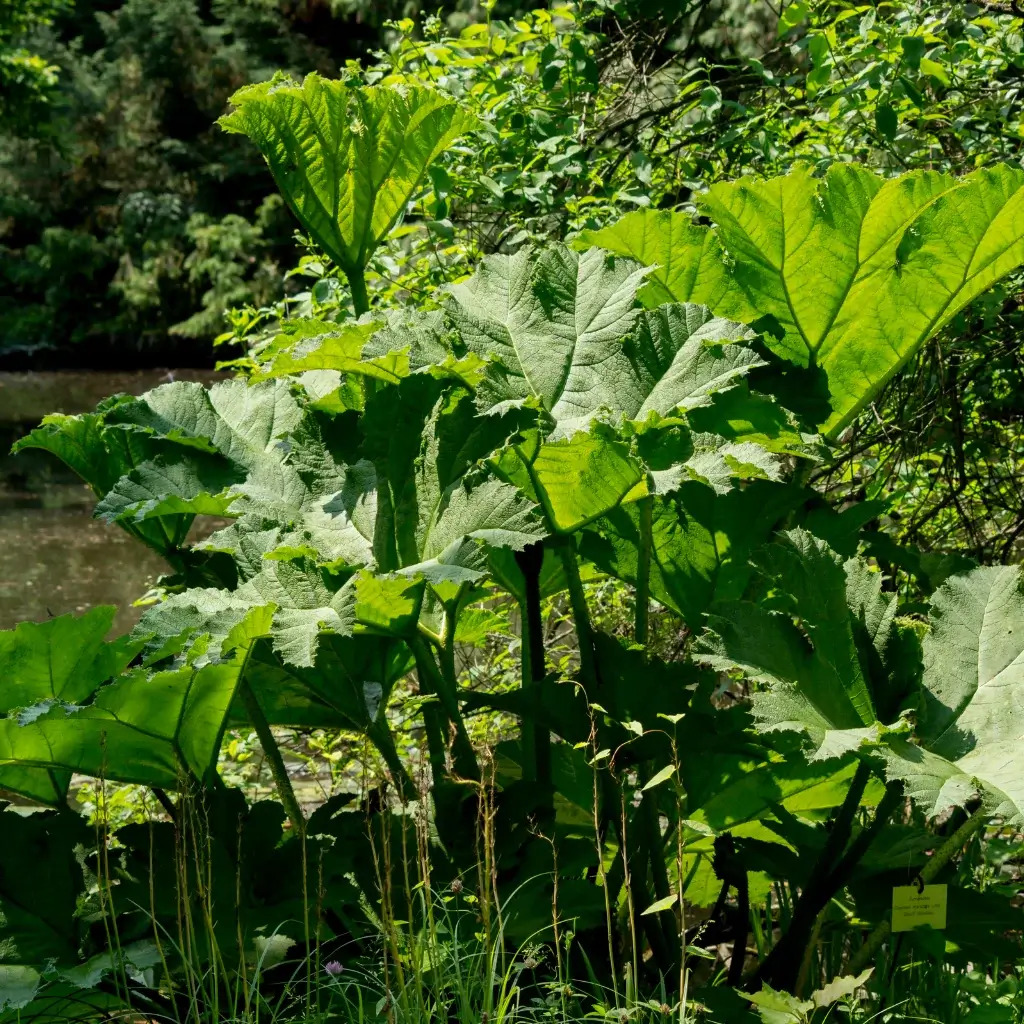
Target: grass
pixel 443 955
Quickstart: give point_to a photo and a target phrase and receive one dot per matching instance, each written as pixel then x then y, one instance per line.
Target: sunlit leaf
pixel 857 272
pixel 564 332
pixel 347 158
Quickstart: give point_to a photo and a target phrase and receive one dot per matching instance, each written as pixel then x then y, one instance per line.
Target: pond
pixel 54 557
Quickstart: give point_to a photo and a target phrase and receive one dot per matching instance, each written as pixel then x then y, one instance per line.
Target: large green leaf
pixel 581 479
pixel 102 456
pixel 295 625
pixel 449 511
pixel 735 783
pixel 836 664
pixel 700 542
pixel 557 339
pixel 140 728
pixel 347 688
pixel 439 504
pixel 62 659
pixel 60 662
pixel 820 636
pixel 751 796
pixel 346 158
pixel 72 707
pixel 208 440
pixel 613 385
pixel 971 716
pixel 858 272
pixel 41 883
pixel 244 452
pixel 44 934
pixel 249 452
pixel 421 509
pixel 304 345
pixel 564 331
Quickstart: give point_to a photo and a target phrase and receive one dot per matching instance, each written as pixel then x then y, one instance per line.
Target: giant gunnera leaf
pixel 970 723
pixel 835 663
pixel 564 331
pixel 347 158
pixel 101 456
pixel 290 602
pixel 550 329
pixel 69 703
pixel 856 271
pixel 820 636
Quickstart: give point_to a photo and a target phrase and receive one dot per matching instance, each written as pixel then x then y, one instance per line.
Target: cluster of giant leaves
pixel 377 470
pixel 836 662
pixel 615 404
pixel 328 566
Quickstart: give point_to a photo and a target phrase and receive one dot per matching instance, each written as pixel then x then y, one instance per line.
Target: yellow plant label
pixel 913 907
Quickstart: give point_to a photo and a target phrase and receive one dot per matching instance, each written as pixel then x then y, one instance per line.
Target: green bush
pixel 406 487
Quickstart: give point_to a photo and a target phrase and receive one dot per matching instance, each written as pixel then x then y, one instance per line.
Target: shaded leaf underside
pixel 857 271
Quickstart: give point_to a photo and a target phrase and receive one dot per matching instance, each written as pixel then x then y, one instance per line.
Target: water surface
pixel 54 557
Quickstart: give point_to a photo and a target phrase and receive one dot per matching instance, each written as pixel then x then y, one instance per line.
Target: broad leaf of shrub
pixel 563 331
pixel 347 159
pixel 972 704
pixel 858 272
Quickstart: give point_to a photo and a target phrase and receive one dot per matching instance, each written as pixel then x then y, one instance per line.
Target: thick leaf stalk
pixel 440 682
pixel 536 738
pixel 580 614
pixel 942 856
pixel 782 965
pixel 360 296
pixel 272 752
pixel 641 625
